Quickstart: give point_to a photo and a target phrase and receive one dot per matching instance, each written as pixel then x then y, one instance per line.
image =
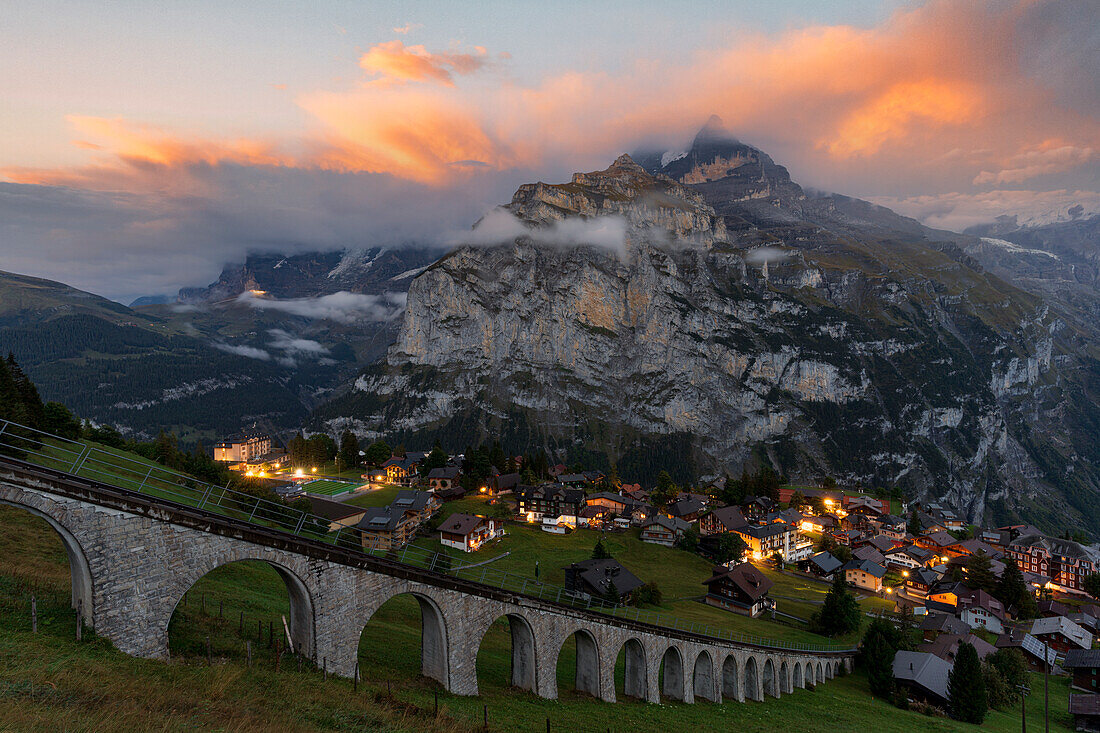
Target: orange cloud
pixel 394 61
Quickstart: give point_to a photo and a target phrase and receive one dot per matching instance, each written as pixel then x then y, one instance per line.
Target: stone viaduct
pixel 132 559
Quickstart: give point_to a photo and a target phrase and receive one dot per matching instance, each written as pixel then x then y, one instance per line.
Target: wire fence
pixel 117 468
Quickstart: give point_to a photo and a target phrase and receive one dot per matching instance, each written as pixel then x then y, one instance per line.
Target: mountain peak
pixel 713 131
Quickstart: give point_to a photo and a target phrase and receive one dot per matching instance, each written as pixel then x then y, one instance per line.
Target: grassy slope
pixel 48 681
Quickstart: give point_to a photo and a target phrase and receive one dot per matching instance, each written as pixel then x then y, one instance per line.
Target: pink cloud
pixel 394 61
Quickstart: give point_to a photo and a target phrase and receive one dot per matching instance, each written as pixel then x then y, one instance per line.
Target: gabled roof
pixel 866 566
pixel 411 500
pixel 462 524
pixel 760 531
pixel 946 646
pixel 333 510
pixel 672 524
pixel 1082 658
pixel 379 519
pixel 940 539
pixel 923 669
pixel 611 496
pixel 944 622
pixel 869 553
pixel 750 581
pixel 1065 627
pixel 686 506
pixel 447 472
pixel 599 574
pixel 880 543
pixel 924 575
pixel 825 562
pixel 1057 546
pixel 729 517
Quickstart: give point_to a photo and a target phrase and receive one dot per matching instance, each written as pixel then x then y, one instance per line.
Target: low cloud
pixel 342 307
pixel 408 28
pixel 761 255
pixel 249 351
pixel 956 211
pixel 500 226
pixel 290 344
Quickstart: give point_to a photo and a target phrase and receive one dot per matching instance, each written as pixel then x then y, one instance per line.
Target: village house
pixel 919 582
pixel 503 483
pixel 1034 651
pixel 865 574
pixel 845 536
pixel 936 541
pixel 946 516
pixel 337 514
pixel 598 578
pixel 935 624
pixel 468 532
pixel 981 610
pixel 444 478
pixel 573 480
pixel 908 558
pixel 1061 634
pixel 1085 710
pixel 834 497
pixel 922 675
pixel 662 530
pixel 892 527
pixel 869 553
pixel 929 524
pixel 946 646
pixel 742 589
pixel 686 509
pixel 814 523
pixel 548 500
pixel 721 520
pixel 616 504
pixel 823 565
pixel 1084 665
pixel 866 506
pixel 403 470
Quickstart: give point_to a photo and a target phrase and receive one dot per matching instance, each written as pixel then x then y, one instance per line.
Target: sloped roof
pixel 1082 658
pixel 946 646
pixel 866 566
pixel 447 472
pixel 868 552
pixel 673 524
pixel 333 510
pixel 460 523
pixel 750 581
pixel 685 507
pixel 826 562
pixel 944 622
pixel 1065 627
pixel 730 517
pixel 599 574
pixel 923 669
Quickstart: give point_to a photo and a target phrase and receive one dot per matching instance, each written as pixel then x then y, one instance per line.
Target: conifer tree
pixel 966 697
pixel 979 573
pixel 840 612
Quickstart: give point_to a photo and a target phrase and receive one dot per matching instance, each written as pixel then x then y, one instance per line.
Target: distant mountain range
pixel 743 321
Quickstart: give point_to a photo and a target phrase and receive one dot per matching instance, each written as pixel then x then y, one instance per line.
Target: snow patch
pixel 1017 249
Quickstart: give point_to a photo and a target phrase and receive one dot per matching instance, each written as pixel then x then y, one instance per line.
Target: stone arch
pixel 784 678
pixel 752 680
pixel 302 618
pixel 796 680
pixel 83 585
pixel 820 676
pixel 702 678
pixel 730 687
pixel 587 677
pixel 672 679
pixel 771 681
pixel 524 658
pixel 636 677
pixel 434 662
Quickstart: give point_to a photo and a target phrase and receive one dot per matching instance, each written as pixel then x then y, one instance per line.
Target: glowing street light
pixel 314 469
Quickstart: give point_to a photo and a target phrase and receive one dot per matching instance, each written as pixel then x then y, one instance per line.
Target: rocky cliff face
pixel 739 322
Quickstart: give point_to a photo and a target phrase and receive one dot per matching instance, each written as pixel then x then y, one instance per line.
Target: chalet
pixel 1050 607
pixel 1064 562
pixel 919 582
pixel 936 541
pixel 721 520
pixel 337 514
pixel 468 532
pixel 998 539
pixel 612 503
pixel 1084 665
pixel 981 610
pixel 765 540
pixel 892 527
pixel 907 558
pixel 946 646
pixel 536 502
pixel 701 498
pixel 1034 651
pixel 845 536
pixel 742 589
pixel 946 516
pixel 820 524
pixel 935 624
pixel 790 516
pixel 1086 621
pixel 922 675
pixel 451 494
pixel 879 542
pixel 591 515
pixel 1061 634
pixel 1085 710
pixel 599 577
pixel 393 526
pixel 444 478
pixel 503 483
pixel 403 469
pixel 558 470
pixel 869 553
pixel 573 480
pixel 929 524
pixel 757 506
pixel 966 548
pixel 686 509
pixel 823 565
pixel 866 506
pixel 864 574
pixel 662 530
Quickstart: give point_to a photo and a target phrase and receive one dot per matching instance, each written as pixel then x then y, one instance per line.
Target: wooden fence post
pixel 34 615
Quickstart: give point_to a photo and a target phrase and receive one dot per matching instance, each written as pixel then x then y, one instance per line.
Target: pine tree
pixel 877 655
pixel 1011 588
pixel 840 612
pixel 612 480
pixel 914 526
pixel 599 552
pixel 611 595
pixel 979 573
pixel 349 450
pixel 966 697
